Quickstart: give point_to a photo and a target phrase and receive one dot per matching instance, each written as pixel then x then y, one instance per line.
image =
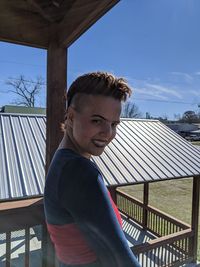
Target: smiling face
pixel 92 126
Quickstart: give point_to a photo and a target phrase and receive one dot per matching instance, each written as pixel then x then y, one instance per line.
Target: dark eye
pixel 96 121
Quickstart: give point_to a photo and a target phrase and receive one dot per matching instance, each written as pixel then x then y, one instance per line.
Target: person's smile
pixel 100 143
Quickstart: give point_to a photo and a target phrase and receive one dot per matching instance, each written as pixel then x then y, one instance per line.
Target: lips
pixel 100 143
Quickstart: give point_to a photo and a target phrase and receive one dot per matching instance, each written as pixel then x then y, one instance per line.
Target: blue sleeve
pixel 82 193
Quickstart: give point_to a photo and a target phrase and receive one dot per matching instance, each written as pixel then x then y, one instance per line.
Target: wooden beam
pixel 146 203
pixel 27 214
pixel 94 9
pixel 56 104
pixel 41 11
pixel 30 22
pixel 52 11
pixel 17 204
pixel 164 240
pixel 195 215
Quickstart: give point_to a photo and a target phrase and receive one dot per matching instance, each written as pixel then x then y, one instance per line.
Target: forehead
pixel 105 106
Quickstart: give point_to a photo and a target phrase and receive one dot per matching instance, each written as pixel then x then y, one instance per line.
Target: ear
pixel 70 116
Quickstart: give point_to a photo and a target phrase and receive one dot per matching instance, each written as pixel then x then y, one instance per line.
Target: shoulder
pixel 80 168
pixel 79 178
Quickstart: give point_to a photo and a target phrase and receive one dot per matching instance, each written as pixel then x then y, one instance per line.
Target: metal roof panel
pixel 143 151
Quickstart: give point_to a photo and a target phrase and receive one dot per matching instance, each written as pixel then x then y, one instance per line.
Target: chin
pixel 97 153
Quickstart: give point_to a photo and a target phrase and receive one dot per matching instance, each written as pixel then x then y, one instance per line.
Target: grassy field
pixel 197 143
pixel 173 197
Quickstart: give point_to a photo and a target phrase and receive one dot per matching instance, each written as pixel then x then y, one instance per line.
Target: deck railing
pixel 171 250
pixel 172 245
pixel 24 240
pixel 159 223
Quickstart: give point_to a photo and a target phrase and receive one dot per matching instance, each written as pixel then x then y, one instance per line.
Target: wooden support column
pixel 195 215
pixel 146 202
pixel 56 104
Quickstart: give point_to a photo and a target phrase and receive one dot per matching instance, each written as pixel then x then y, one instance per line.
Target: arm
pixel 86 198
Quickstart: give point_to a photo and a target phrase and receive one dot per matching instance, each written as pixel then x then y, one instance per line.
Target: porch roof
pixel 37 22
pixel 143 151
pixel 147 151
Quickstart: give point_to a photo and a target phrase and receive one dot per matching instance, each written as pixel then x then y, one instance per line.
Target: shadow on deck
pixel 18 248
pixel 134 233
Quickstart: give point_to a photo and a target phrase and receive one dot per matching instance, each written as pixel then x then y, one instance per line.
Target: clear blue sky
pixel 154 44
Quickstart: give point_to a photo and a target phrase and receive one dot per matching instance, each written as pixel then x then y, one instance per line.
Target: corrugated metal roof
pixel 143 150
pixel 22 155
pixel 147 150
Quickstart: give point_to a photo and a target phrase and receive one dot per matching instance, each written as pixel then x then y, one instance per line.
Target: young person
pixel 83 221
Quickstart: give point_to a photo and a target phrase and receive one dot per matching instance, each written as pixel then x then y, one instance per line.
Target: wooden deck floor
pixel 18 248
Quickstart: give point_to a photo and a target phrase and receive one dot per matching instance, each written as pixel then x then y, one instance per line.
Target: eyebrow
pixel 96 115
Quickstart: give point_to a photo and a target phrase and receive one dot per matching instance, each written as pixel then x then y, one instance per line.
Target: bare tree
pixel 190 116
pixel 26 90
pixel 130 110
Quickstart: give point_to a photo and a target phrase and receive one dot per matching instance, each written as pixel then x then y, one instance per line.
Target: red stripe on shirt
pixel 70 244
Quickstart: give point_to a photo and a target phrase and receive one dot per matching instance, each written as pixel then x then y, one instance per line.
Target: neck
pixel 68 142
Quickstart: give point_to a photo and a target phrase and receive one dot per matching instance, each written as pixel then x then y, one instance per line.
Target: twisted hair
pixel 96 83
pixel 99 83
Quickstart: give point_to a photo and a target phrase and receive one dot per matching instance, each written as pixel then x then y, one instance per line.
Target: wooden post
pixel 195 216
pixel 146 202
pixel 112 191
pixel 48 252
pixel 56 104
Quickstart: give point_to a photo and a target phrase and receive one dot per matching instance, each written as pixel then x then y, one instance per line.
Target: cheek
pixel 81 131
pixel 113 134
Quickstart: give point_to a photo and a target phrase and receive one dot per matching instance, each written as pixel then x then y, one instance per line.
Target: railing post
pixel 8 248
pixel 48 254
pixel 113 193
pixel 146 202
pixel 195 217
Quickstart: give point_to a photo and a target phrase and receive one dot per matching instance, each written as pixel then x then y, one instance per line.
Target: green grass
pixel 173 197
pixel 197 143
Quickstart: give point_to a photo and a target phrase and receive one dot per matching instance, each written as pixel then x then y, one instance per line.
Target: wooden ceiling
pixel 38 22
